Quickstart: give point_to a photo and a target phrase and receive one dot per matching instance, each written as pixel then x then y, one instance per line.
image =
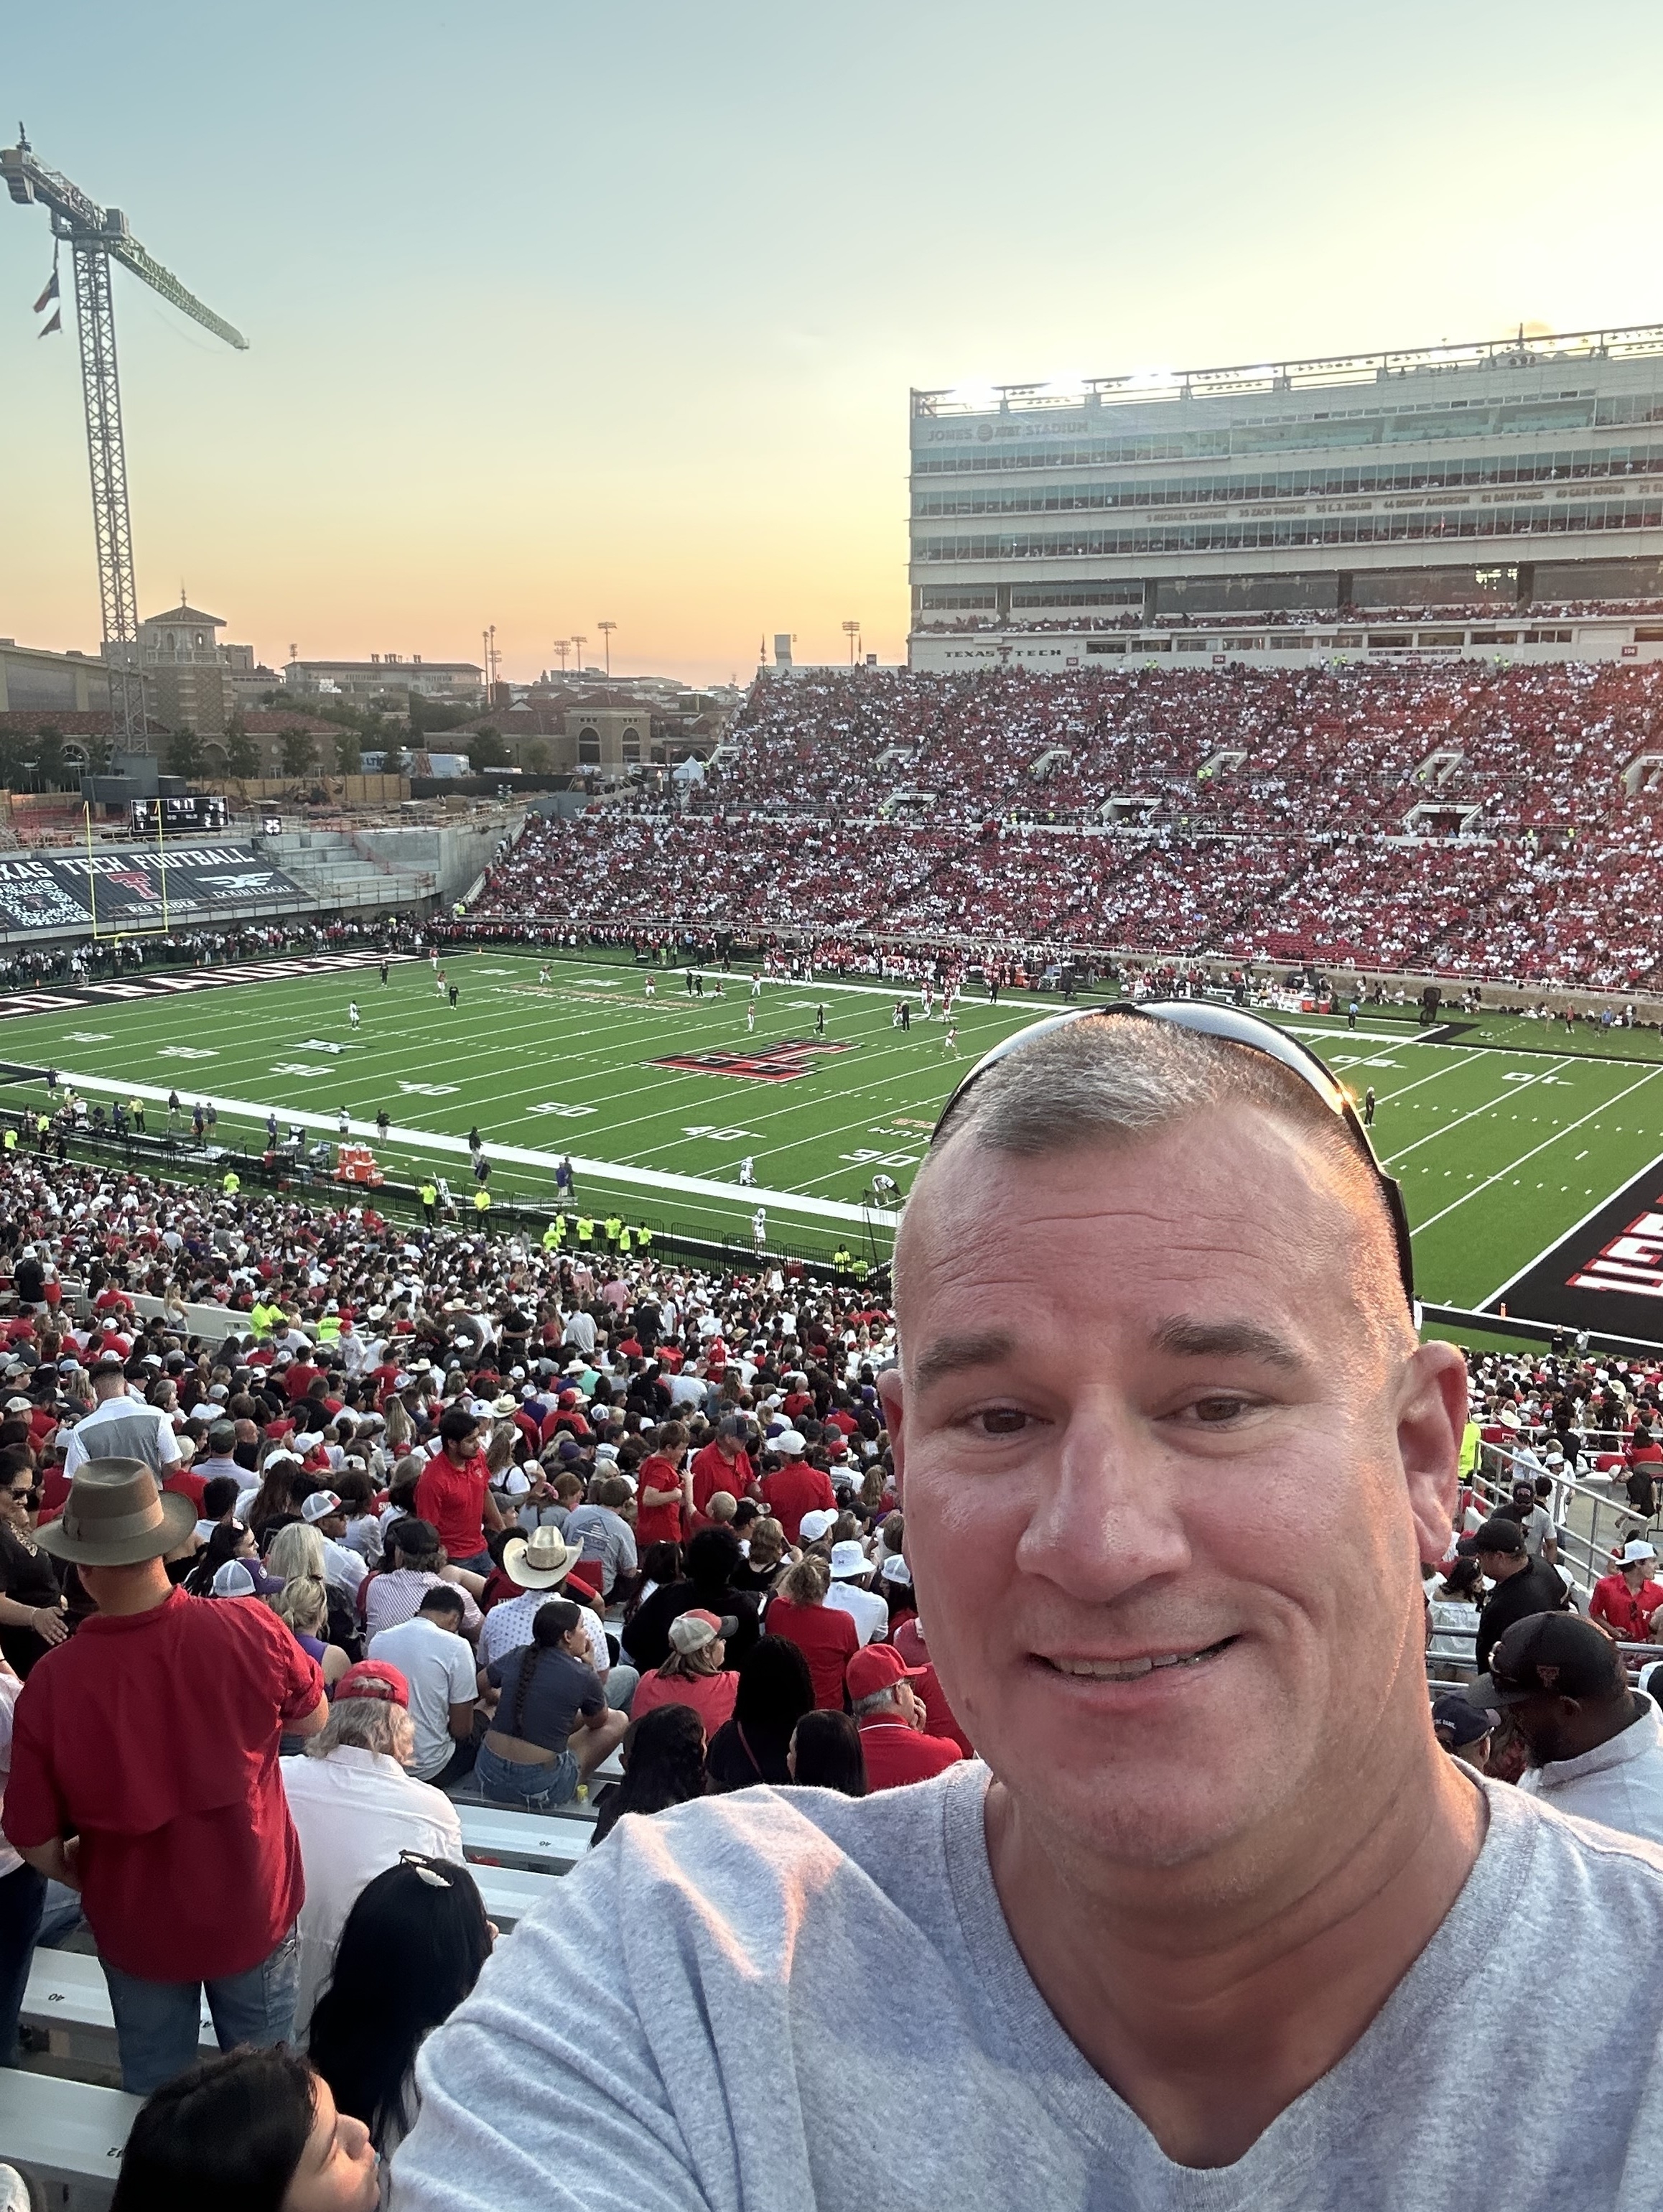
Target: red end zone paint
pixel 1632 1261
pixel 770 1063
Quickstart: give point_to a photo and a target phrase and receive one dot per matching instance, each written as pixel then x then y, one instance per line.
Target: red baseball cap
pixel 374 1678
pixel 874 1667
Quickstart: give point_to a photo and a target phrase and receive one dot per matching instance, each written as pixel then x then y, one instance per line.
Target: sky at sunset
pixel 559 313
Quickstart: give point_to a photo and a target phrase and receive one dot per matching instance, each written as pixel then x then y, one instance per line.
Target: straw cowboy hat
pixel 115 1515
pixel 540 1560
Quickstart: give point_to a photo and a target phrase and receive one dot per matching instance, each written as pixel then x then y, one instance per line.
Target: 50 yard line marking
pixel 1604 1107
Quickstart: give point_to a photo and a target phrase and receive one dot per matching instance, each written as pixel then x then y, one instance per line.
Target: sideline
pixel 746 1196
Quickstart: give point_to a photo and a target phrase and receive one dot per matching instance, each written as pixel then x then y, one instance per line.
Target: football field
pixel 1506 1135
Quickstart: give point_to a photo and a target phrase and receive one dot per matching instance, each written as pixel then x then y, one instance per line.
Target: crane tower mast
pixel 96 236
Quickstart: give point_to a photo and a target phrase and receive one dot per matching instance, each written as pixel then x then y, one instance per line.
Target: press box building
pixel 1319 508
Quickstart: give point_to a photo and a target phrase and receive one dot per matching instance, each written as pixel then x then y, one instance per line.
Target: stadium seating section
pixel 1304 816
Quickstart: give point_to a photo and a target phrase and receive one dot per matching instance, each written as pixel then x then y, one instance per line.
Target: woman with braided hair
pixel 552 1726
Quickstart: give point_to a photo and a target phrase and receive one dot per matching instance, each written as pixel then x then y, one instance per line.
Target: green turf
pixel 568 1066
pixel 1503 1139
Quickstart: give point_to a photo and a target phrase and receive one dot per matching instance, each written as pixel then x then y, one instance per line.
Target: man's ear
pixel 1431 1420
pixel 891 1397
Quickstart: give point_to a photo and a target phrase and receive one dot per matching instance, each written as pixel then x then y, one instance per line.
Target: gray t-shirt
pixel 606 1536
pixel 809 2003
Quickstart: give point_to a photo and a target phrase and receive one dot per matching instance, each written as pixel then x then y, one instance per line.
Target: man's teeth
pixel 1128 1670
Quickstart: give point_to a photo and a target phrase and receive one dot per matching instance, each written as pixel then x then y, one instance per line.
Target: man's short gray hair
pixel 1091 1081
pixel 1124 1077
pixel 877 1703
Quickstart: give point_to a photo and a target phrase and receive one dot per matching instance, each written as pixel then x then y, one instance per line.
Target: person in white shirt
pixel 849 1593
pixel 356 1810
pixel 120 1426
pixel 1596 1746
pixel 580 1331
pixel 344 1568
pixel 436 1660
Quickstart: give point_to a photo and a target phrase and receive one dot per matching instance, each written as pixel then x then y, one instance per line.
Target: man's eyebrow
pixel 950 1355
pixel 1181 1337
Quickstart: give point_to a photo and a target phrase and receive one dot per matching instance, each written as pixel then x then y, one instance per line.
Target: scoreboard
pixel 193 810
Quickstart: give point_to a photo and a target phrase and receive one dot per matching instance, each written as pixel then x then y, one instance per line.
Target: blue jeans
pixel 158 2024
pixel 534 1788
pixel 620 1685
pixel 22 1893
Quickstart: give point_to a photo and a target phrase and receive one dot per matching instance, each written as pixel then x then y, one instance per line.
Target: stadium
pixel 495 1191
pixel 1153 761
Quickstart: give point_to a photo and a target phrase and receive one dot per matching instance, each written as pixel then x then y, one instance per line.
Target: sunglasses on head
pixel 1204 1018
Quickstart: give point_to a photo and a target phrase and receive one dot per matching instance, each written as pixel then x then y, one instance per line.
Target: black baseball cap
pixel 1556 1655
pixel 1496 1534
pixel 1458 1723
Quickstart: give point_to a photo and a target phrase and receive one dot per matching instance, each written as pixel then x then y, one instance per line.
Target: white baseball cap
pixel 816 1524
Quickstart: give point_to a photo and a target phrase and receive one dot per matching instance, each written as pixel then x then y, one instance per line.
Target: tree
pixel 349 754
pixel 49 756
pixel 183 754
pixel 486 750
pixel 242 752
pixel 433 716
pixel 536 755
pixel 396 761
pixel 300 751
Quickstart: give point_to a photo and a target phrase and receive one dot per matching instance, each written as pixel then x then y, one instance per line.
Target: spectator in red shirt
pixel 795 1488
pixel 693 1674
pixel 724 1464
pixel 454 1492
pixel 144 1774
pixel 664 1498
pixel 891 1720
pixel 827 1638
pixel 1625 1601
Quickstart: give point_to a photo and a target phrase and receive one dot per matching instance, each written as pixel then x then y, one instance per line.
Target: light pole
pixel 579 642
pixel 606 630
pixel 851 631
pixel 562 646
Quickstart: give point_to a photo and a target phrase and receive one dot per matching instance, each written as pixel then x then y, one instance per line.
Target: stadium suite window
pixel 1560 465
pixel 1501 418
pixel 1273 532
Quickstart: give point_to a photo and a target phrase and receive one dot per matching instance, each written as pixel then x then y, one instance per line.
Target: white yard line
pixel 1501 1289
pixel 1502 1174
pixel 1488 1106
pixel 747 1197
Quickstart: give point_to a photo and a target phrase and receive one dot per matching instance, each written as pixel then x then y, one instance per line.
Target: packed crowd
pixel 1235 812
pixel 433 1511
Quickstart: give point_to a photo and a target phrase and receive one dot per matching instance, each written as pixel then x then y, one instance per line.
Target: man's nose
pixel 1109 1514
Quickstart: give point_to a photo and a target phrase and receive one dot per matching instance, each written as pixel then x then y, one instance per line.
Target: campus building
pixel 1490 499
pixel 386 677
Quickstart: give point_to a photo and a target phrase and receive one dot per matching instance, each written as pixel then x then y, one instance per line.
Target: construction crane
pixel 96 236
